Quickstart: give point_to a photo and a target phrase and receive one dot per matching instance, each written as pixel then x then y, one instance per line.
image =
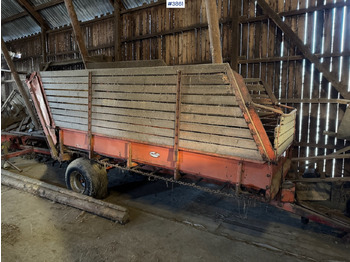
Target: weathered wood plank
pixel 70 100
pixel 220 149
pixel 205 79
pixel 134 128
pixel 148 80
pixel 68 106
pixel 59 86
pixel 135 104
pixel 218 130
pixel 213 110
pixel 70 125
pixel 284 128
pixel 65 73
pixel 221 140
pixel 135 97
pixel 205 89
pixel 283 146
pixel 283 137
pixel 153 114
pixel 69 112
pixel 213 120
pixel 68 93
pixel 71 119
pixel 135 136
pixel 134 120
pixel 209 100
pixel 65 80
pixel 163 89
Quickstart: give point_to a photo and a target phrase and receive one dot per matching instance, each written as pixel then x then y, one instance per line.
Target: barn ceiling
pixel 17 23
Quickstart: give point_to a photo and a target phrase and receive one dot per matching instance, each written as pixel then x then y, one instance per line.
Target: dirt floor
pixel 168 223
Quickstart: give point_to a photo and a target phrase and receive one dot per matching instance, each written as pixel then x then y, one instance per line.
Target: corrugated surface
pixel 39 2
pixel 136 3
pixel 57 16
pixel 21 27
pixel 10 8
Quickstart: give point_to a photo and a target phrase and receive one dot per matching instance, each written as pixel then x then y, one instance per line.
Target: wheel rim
pixel 77 182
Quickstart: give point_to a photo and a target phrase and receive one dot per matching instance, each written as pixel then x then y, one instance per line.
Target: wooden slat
pixel 67 93
pixel 149 80
pixel 212 110
pixel 66 80
pixel 283 137
pixel 134 120
pixel 206 90
pixel 70 125
pixel 135 97
pixel 152 114
pixel 134 128
pixel 135 104
pixel 71 119
pixel 285 128
pixel 134 136
pixel 220 149
pixel 209 100
pixel 221 140
pixel 283 147
pixel 163 89
pixel 214 120
pixel 59 86
pixel 218 130
pixel 68 112
pixel 168 70
pixel 71 100
pixel 68 73
pixel 68 106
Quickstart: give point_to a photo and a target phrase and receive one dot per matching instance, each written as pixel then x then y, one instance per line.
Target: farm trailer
pixel 202 121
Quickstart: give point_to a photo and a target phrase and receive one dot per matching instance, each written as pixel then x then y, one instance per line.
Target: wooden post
pixel 77 30
pixel 43 44
pixel 214 32
pixel 19 83
pixel 235 5
pixel 117 31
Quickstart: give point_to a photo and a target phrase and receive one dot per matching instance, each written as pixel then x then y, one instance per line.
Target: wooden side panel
pixel 139 105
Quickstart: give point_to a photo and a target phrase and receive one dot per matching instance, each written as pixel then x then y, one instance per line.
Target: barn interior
pixel 293 56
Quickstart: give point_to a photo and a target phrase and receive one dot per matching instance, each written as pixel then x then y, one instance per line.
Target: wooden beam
pixel 117 31
pixel 19 85
pixel 235 6
pixel 305 50
pixel 43 44
pixel 34 14
pixel 77 30
pixel 214 32
pixel 314 101
pixel 302 11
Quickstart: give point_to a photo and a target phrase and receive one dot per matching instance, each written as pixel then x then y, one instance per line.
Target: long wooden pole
pixel 214 32
pixel 117 32
pixel 19 83
pixel 77 30
pixel 235 5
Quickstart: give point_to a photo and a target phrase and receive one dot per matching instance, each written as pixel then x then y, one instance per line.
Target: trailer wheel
pixel 88 178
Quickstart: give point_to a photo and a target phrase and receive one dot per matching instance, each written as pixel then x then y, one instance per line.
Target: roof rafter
pixel 33 13
pixel 36 8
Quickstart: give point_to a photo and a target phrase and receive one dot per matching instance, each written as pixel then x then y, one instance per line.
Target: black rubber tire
pixel 86 177
pixel 304 220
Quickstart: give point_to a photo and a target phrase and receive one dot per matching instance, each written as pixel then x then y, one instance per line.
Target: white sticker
pixel 175 3
pixel 154 154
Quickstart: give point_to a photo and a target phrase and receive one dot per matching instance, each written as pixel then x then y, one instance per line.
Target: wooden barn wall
pixel 180 36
